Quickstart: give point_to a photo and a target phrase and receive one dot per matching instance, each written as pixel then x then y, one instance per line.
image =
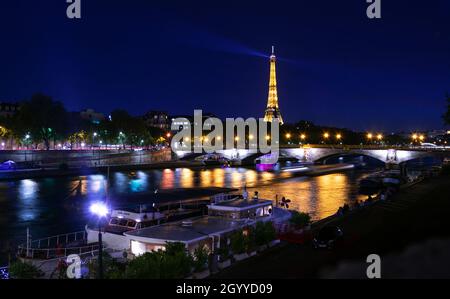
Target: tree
pixel 238 242
pixel 23 270
pixel 200 261
pixel 300 219
pixel 125 128
pixel 77 138
pixel 42 119
pixel 173 262
pixel 446 115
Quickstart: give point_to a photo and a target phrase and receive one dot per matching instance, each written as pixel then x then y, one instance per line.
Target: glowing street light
pixel 379 137
pixel 326 135
pixel 236 138
pixel 415 136
pixel 168 135
pixel 267 137
pixel 302 136
pixel 421 138
pixel 338 136
pixel 100 210
pixel 250 137
pixel 288 136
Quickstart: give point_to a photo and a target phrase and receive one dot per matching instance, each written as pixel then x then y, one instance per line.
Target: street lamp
pixel 380 137
pixel 100 210
pixel 326 136
pixel 303 137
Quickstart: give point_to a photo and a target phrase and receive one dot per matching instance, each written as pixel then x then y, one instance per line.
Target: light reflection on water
pixel 45 205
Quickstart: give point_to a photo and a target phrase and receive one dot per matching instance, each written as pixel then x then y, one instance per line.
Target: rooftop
pixel 240 204
pixel 199 228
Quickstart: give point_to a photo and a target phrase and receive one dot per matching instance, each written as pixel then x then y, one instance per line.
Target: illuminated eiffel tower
pixel 272 110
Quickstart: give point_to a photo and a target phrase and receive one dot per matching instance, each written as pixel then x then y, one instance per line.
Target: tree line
pixel 43 122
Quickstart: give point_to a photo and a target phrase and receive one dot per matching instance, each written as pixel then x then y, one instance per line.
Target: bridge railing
pixel 370 147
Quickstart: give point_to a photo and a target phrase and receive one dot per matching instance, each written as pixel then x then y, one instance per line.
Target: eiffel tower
pixel 272 110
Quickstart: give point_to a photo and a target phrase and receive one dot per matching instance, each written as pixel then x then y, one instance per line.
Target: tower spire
pixel 272 110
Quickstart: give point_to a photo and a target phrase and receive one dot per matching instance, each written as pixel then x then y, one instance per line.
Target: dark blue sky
pixel 336 67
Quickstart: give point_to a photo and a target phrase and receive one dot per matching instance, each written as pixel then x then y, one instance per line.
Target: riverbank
pixel 415 215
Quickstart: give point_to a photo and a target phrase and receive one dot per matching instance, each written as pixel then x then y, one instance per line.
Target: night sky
pixel 336 67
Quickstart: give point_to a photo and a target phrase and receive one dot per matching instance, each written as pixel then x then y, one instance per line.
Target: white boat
pixel 227 213
pixel 121 221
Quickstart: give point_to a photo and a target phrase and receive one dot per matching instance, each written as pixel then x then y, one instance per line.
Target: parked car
pixel 327 237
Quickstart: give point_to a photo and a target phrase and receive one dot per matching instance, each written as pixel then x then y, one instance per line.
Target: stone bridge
pixel 316 153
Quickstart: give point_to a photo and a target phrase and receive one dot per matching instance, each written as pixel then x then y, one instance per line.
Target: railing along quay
pixel 57 246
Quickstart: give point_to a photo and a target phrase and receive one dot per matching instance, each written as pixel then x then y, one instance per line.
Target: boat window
pixel 131 223
pixel 123 222
pixel 114 221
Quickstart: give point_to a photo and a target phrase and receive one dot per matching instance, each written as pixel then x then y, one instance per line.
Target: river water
pixel 52 206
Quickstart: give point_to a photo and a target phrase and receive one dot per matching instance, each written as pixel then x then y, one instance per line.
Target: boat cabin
pixel 226 214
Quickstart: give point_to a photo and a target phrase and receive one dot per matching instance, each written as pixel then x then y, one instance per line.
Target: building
pixel 157 119
pixel 92 116
pixel 8 109
pixel 226 214
pixel 187 121
pixel 272 110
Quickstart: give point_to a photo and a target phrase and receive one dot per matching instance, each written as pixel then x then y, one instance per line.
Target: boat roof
pixel 194 230
pixel 239 204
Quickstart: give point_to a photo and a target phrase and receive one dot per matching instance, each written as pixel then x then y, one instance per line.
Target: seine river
pixel 58 205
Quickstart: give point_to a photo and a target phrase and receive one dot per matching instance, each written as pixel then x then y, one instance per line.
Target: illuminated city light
pixel 99 209
pixel 326 135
